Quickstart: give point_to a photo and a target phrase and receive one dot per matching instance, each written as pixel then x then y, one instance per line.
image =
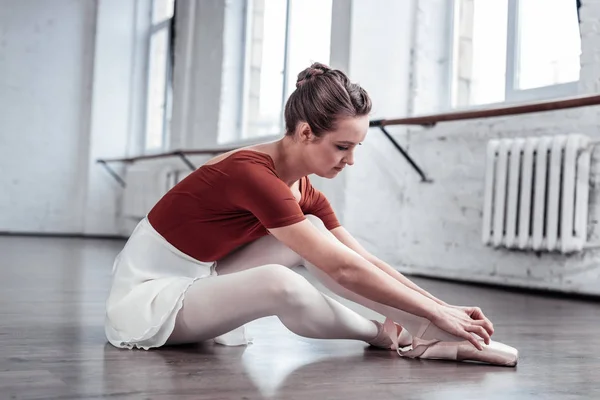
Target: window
pixel 283 38
pixel 514 50
pixel 159 91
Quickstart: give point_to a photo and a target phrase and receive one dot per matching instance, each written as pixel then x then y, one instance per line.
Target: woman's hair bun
pixel 311 72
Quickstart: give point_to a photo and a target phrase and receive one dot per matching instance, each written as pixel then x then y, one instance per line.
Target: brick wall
pixel 435 229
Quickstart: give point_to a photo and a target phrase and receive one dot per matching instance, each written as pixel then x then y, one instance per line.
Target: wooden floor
pixel 52 345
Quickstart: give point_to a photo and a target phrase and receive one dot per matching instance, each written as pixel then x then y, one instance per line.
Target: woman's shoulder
pixel 247 155
pixel 246 164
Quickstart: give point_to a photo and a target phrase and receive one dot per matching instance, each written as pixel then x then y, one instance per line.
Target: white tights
pixel 256 281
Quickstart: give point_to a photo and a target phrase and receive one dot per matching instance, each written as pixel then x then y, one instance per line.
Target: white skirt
pixel 149 280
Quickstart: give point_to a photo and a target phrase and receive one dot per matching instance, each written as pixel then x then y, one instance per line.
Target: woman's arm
pixel 355 273
pixel 346 238
pixel 351 270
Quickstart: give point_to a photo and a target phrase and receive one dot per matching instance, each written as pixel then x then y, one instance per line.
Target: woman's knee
pixel 288 288
pixel 277 252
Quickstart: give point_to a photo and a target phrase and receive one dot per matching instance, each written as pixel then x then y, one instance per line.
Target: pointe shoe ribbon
pixel 398 341
pixel 495 353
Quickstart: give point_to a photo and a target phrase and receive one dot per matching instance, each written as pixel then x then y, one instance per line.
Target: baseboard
pixel 64 235
pixel 550 293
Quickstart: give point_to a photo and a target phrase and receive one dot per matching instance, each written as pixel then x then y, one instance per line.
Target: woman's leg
pixel 413 323
pixel 270 250
pixel 496 353
pixel 217 305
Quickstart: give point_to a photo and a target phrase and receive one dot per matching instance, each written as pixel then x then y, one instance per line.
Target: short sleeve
pixel 257 189
pixel 317 204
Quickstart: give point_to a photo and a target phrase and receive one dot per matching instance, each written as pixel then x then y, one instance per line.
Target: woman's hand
pixel 459 322
pixel 476 314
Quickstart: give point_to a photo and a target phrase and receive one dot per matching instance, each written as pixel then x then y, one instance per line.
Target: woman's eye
pixel 342 147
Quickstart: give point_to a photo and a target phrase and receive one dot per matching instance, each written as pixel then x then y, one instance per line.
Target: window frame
pixel 512 94
pixel 155 28
pixel 247 50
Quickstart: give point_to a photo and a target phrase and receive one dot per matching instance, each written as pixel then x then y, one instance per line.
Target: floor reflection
pixel 52 295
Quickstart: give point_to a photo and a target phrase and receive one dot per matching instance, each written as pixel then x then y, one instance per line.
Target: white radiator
pixel 536 193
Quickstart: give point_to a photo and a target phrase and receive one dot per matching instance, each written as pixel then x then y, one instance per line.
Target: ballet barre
pixel 426 121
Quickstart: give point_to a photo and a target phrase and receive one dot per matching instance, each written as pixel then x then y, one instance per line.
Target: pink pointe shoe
pixel 495 353
pixel 390 336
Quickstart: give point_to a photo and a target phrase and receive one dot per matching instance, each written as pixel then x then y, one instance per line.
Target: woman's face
pixel 330 154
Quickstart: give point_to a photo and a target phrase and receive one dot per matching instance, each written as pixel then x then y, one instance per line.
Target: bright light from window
pixel 309 41
pixel 271 65
pixel 549 43
pixel 480 51
pixel 310 37
pixel 162 10
pixel 157 80
pixel 545 53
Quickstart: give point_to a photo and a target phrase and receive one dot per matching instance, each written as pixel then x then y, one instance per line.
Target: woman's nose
pixel 349 159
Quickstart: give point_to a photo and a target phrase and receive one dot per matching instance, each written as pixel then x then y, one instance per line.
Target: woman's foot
pixel 393 336
pixel 495 353
pixel 389 334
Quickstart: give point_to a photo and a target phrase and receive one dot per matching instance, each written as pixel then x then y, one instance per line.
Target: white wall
pixel 71 92
pixel 199 55
pixel 435 229
pixel 393 48
pixel 386 43
pixel 46 55
pixel 118 103
pixel 380 60
pixel 233 69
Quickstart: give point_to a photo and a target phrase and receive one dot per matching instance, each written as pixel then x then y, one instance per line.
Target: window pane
pixel 310 37
pixel 157 79
pixel 265 67
pixel 479 62
pixel 161 10
pixel 549 43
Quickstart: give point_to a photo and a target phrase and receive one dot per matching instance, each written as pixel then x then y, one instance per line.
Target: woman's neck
pixel 289 161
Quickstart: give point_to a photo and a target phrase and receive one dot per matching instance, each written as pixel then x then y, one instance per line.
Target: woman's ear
pixel 305 133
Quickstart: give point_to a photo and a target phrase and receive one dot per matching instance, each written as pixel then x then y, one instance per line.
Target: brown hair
pixel 322 96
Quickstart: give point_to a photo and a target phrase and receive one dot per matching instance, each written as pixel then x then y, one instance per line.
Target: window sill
pixel 528 95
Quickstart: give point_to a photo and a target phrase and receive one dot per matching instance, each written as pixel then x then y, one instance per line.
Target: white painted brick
pixel 435 229
pixel 590 10
pixel 589 27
